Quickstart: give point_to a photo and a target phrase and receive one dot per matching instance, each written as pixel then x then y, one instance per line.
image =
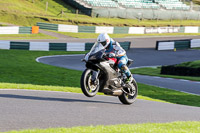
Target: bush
pixel 181 71
pixel 196 1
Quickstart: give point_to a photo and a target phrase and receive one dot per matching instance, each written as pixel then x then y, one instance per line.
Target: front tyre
pixel 129 98
pixel 89 88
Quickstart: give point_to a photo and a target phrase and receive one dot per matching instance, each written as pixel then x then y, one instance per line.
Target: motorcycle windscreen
pixel 96 47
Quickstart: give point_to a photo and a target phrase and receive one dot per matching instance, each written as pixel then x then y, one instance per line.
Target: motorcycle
pixel 103 75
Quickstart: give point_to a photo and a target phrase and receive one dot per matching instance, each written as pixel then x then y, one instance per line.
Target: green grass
pixel 19 66
pixel 95 35
pixel 192 64
pixel 25 36
pixel 3 25
pixel 26 13
pixel 174 127
pixel 39 87
pixel 195 48
pixel 156 72
pixel 19 70
pixel 168 95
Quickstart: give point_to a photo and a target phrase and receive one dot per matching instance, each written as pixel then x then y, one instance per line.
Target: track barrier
pixel 178 44
pixel 48 46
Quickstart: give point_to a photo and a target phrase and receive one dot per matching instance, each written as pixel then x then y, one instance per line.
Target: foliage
pixel 196 1
pixel 183 69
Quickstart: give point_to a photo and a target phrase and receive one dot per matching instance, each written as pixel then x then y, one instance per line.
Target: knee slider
pixel 124 67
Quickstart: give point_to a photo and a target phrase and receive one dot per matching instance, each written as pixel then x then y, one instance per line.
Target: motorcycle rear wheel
pixel 128 99
pixel 88 89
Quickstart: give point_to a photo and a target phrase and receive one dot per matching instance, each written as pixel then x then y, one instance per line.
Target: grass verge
pixel 192 64
pixel 58 88
pixel 174 127
pixel 19 70
pixel 19 66
pixel 25 36
pixel 156 72
pixel 95 35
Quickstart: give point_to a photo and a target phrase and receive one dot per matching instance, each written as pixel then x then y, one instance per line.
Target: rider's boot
pixel 129 80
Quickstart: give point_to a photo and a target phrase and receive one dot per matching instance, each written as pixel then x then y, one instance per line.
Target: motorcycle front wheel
pixel 129 98
pixel 89 88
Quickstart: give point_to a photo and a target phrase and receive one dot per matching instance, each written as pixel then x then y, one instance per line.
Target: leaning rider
pixel 113 49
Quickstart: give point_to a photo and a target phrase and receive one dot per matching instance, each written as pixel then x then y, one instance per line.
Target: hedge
pixel 181 71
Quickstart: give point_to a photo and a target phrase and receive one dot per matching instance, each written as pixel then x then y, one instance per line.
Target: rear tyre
pixel 88 88
pixel 129 98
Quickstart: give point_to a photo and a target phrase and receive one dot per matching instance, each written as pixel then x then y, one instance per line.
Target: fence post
pixel 157 18
pixel 62 12
pixel 191 5
pixel 171 14
pixel 108 13
pixel 46 7
pixel 76 12
pixel 139 16
pixel 126 13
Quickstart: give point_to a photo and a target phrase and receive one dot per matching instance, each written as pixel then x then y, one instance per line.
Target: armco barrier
pixel 177 44
pixel 19 45
pixel 195 43
pixel 104 29
pixel 164 45
pixel 9 30
pixel 88 46
pixel 48 26
pixel 48 46
pixel 191 29
pixel 117 30
pixel 58 46
pixel 182 44
pixel 87 29
pixel 121 30
pixel 16 30
pixel 68 28
pixel 4 44
pixel 25 30
pixel 39 46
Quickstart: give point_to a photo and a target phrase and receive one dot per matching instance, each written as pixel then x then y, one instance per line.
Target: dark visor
pixel 103 43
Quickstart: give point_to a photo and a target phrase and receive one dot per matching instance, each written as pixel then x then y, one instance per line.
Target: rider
pixel 113 49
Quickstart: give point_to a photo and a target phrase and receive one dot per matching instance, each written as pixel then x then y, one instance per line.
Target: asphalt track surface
pixel 142 58
pixel 22 109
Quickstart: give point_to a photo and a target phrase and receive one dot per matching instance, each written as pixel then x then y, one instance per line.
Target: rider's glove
pixel 111 55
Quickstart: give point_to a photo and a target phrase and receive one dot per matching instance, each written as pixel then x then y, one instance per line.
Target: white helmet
pixel 104 39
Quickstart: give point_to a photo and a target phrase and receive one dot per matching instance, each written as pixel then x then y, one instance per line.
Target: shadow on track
pixel 51 99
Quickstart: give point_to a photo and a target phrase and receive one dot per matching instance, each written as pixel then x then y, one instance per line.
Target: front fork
pixel 95 75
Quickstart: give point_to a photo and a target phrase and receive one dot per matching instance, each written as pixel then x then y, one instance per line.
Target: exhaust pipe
pixel 117 92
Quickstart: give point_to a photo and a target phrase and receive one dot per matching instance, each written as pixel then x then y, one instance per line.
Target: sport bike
pixel 103 75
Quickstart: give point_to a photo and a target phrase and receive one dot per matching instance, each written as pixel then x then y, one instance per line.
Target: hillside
pixel 29 12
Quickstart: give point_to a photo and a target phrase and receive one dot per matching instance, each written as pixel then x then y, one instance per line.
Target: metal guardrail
pixel 178 44
pixel 48 46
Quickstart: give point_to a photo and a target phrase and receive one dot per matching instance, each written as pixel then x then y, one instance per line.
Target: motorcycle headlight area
pixel 93 57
